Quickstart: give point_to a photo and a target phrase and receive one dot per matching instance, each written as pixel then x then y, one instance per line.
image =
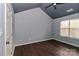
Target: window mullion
pixel 69 29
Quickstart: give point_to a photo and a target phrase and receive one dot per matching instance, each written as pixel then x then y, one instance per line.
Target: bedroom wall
pixel 31 26
pixel 56 30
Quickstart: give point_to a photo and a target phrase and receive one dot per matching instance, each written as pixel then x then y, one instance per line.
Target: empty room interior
pixel 42 29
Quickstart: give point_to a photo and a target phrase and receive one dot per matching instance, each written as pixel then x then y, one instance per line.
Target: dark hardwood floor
pixel 47 48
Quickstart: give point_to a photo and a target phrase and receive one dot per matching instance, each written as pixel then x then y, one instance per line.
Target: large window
pixel 64 28
pixel 70 28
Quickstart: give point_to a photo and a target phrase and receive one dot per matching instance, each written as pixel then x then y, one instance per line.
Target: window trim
pixel 69 36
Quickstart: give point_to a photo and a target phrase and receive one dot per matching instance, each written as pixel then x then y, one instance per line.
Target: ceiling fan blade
pixel 55 7
pixel 49 6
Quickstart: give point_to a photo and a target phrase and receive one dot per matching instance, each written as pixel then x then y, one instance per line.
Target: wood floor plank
pixel 46 48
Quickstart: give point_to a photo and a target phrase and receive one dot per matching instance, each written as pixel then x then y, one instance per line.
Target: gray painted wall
pixel 56 29
pixel 32 25
pixel 2 43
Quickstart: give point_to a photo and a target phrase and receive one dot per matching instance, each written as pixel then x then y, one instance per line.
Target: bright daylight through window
pixel 70 28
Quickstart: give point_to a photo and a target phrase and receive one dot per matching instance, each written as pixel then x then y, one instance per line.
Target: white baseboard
pixel 32 42
pixel 65 42
pixel 28 43
pixel 45 40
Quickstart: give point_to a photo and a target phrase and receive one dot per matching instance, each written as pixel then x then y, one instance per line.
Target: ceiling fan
pixel 54 5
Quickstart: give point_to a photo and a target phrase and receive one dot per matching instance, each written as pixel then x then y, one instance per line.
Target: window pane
pixel 74 28
pixel 64 29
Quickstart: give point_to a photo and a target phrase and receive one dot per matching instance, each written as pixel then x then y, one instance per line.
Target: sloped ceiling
pixel 60 11
pixel 18 7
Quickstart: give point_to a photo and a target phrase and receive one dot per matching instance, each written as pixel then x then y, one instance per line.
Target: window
pixel 64 28
pixel 74 28
pixel 70 28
